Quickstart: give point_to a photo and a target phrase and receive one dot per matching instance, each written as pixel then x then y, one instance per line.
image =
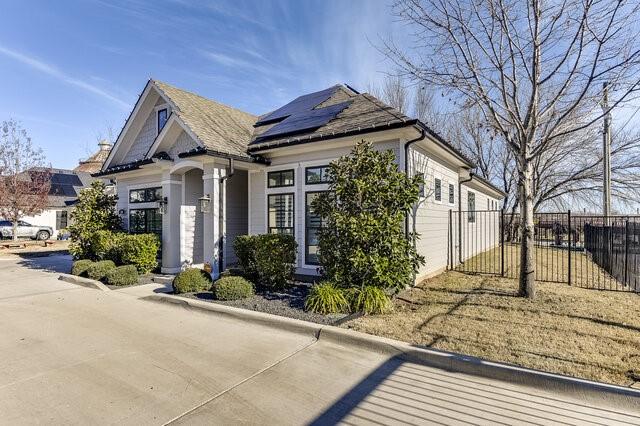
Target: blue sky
pixel 72 69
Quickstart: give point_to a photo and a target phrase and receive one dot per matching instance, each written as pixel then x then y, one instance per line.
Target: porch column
pixel 213 226
pixel 172 189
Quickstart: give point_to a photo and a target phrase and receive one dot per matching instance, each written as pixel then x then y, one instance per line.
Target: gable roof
pixel 362 112
pixel 218 127
pixel 94 163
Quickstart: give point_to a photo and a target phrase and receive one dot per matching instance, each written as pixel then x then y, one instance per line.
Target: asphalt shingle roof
pixel 219 127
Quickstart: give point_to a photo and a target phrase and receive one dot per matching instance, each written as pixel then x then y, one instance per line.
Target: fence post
pixel 570 245
pixel 502 242
pixel 626 251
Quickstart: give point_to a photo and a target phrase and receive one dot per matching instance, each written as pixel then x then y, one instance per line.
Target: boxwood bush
pixel 140 250
pixel 232 288
pixel 122 275
pixel 268 259
pixel 326 298
pixel 191 281
pixel 99 270
pixel 80 266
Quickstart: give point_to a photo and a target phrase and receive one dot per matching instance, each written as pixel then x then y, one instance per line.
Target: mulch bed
pixel 288 303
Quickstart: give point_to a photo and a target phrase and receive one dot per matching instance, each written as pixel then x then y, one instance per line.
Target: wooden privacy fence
pixel 590 251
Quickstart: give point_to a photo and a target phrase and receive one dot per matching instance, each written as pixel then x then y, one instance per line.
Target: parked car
pixel 25 230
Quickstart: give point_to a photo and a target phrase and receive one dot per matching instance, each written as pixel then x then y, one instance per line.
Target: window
pixel 488 206
pixel 438 189
pixel 315 175
pixel 313 223
pixel 145 195
pixel 471 206
pixel 280 178
pixel 61 219
pixel 143 221
pixel 452 198
pixel 281 211
pixel 163 116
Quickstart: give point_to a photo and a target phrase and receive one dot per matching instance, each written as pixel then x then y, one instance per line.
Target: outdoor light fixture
pixel 162 205
pixel 122 212
pixel 205 204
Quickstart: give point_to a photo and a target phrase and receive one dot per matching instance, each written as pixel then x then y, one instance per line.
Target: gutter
pixel 460 182
pixel 213 153
pixel 407 145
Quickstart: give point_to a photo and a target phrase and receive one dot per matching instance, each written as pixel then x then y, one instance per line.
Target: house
pixel 65 187
pixel 200 173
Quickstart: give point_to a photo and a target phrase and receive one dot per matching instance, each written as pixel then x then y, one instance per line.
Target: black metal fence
pixel 590 251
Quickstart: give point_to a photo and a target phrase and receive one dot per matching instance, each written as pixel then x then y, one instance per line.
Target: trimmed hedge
pixel 80 267
pixel 140 250
pixel 232 288
pixel 122 275
pixel 99 270
pixel 191 281
pixel 267 259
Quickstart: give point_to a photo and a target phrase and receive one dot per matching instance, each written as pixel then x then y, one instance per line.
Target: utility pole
pixel 606 152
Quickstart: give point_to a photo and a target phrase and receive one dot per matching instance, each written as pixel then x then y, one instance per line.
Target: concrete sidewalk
pixel 73 355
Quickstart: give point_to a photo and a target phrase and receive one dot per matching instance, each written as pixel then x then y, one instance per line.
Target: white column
pixel 172 189
pixel 212 227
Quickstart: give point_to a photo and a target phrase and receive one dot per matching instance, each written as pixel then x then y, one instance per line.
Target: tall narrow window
pixel 452 198
pixel 163 116
pixel 281 212
pixel 438 189
pixel 61 219
pixel 471 206
pixel 313 223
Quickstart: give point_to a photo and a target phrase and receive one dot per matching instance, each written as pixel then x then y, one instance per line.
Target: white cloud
pixel 59 75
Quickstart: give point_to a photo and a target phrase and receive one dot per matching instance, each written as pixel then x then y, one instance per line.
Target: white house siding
pixel 237 212
pixel 184 143
pixel 193 221
pixel 257 202
pixel 48 218
pixel 431 217
pixel 145 137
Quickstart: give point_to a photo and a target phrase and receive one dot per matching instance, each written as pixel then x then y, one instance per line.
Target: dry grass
pixel 577 332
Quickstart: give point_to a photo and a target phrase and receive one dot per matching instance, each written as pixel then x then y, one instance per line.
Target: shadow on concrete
pixel 406 392
pixel 59 263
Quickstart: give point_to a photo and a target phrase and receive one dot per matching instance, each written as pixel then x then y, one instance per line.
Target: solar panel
pixel 62 190
pixel 298 105
pixel 305 120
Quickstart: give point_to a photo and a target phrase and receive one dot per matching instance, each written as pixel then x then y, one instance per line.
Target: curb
pixel 586 391
pixel 84 282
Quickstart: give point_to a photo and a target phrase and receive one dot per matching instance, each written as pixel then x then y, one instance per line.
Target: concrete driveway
pixel 71 355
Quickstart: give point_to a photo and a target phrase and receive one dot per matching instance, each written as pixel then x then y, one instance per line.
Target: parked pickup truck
pixel 25 230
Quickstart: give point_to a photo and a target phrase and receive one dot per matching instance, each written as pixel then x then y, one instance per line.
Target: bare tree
pixel 24 179
pixel 393 91
pixel 530 67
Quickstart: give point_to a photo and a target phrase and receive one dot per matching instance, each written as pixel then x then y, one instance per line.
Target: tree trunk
pixel 527 266
pixel 15 230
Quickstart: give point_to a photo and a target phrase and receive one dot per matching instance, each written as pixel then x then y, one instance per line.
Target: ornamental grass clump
pixel 369 300
pixel 326 298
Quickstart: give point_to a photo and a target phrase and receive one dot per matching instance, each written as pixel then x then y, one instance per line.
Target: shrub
pixel 122 275
pixel 95 211
pixel 191 281
pixel 369 299
pixel 326 298
pixel 80 267
pixel 99 270
pixel 232 288
pixel 267 259
pixel 140 250
pixel 103 245
pixel 363 241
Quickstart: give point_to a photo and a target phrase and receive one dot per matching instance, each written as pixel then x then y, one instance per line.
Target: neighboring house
pixel 200 173
pixel 94 163
pixel 65 186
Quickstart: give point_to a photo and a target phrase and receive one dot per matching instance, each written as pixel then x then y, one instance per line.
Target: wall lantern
pixel 122 212
pixel 162 205
pixel 205 204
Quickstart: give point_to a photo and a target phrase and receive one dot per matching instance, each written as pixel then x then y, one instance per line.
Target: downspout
pixel 222 193
pixel 407 145
pixel 460 214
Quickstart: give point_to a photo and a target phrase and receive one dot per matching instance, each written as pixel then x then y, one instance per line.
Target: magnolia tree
pixel 24 179
pixel 362 241
pixel 535 70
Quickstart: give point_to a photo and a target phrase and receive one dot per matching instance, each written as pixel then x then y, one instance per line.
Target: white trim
pixel 186 163
pixel 159 108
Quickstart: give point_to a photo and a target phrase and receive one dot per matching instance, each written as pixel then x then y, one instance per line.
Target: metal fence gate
pixel 590 251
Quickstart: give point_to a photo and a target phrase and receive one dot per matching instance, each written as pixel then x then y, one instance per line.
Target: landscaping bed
pixel 567 330
pixel 286 303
